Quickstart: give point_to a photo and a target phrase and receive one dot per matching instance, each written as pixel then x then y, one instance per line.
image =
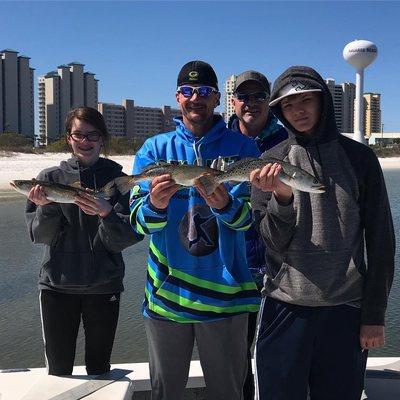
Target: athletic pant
pixel 222 349
pixel 61 315
pixel 248 388
pixel 316 348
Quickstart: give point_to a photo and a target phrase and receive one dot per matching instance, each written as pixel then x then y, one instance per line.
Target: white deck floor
pixel 383 382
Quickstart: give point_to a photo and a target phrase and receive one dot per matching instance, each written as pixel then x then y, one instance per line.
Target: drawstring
pixel 197 153
pixel 84 216
pixel 310 160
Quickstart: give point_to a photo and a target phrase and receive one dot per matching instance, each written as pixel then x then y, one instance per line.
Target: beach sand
pixel 27 166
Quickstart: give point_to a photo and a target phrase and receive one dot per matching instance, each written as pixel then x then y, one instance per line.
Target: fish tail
pixel 209 183
pixel 125 183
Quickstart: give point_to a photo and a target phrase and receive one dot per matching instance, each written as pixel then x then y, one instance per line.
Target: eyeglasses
pixel 202 91
pixel 259 97
pixel 91 137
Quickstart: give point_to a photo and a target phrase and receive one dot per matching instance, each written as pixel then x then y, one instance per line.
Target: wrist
pixel 105 213
pixel 155 208
pixel 283 198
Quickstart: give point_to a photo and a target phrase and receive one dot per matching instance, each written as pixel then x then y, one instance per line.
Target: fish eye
pixel 315 180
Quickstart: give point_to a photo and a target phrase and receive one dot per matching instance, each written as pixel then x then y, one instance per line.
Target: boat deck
pixel 382 383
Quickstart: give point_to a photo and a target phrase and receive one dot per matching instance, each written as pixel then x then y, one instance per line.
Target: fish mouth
pixel 319 189
pixel 13 184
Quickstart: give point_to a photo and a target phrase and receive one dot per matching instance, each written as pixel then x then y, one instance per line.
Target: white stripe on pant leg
pixel 43 335
pixel 260 313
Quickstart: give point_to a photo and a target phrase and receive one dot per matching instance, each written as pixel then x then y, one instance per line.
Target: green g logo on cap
pixel 193 75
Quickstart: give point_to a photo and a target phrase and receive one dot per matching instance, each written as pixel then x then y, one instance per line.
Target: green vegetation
pixel 118 146
pixel 123 145
pixel 387 151
pixel 16 142
pixel 126 146
pixel 58 146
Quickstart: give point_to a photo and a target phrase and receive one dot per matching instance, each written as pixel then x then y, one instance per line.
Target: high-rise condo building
pixel 135 121
pixel 60 91
pixel 16 94
pixel 372 113
pixel 228 94
pixel 343 96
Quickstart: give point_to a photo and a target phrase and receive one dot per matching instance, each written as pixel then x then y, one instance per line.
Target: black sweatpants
pixel 61 315
pixel 303 348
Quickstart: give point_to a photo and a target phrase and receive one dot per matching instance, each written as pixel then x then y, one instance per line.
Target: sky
pixel 136 48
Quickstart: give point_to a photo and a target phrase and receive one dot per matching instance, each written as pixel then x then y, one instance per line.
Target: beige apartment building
pixel 372 113
pixel 16 94
pixel 135 121
pixel 60 91
pixel 343 96
pixel 228 94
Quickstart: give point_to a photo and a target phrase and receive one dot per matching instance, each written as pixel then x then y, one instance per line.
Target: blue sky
pixel 136 48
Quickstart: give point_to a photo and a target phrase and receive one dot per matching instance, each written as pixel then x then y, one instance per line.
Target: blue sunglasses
pixel 202 91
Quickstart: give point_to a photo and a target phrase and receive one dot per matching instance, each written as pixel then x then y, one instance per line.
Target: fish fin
pixel 124 183
pixel 108 190
pixel 77 185
pixel 209 183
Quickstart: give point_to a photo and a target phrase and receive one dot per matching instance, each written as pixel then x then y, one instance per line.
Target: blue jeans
pixel 315 349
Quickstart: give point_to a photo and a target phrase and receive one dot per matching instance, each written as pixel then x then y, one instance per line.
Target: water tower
pixel 359 53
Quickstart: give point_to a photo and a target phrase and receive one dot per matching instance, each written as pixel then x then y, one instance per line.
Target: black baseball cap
pixel 197 72
pixel 252 76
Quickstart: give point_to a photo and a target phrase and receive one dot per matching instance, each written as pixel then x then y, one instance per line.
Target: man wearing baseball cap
pixel 253 119
pixel 198 285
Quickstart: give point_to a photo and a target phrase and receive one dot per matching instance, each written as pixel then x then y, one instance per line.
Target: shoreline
pixel 28 165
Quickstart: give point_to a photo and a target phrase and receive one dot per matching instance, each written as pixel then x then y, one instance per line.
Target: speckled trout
pixel 182 174
pixel 62 193
pixel 240 171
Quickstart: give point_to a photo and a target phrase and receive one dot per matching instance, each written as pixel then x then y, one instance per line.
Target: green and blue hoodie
pixel 196 269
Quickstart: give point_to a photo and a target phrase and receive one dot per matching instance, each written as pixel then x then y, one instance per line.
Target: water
pixel 20 328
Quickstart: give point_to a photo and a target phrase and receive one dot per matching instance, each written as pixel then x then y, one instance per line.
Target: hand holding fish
pixel 36 195
pixel 218 199
pixel 267 180
pixel 161 190
pixel 93 206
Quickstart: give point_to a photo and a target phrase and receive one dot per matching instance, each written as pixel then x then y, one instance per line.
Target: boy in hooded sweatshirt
pixel 325 302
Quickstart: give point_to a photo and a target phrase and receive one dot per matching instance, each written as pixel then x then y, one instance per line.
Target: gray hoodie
pixel 82 253
pixel 316 244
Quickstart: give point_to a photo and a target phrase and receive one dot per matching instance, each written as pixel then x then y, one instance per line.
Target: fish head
pixel 301 180
pixel 20 184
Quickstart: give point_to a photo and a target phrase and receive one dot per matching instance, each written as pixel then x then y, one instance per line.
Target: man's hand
pixel 372 336
pixel 266 179
pixel 93 206
pixel 161 190
pixel 218 200
pixel 36 195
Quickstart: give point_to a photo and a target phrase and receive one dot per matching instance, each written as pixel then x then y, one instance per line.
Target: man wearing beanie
pixel 198 285
pixel 330 258
pixel 253 118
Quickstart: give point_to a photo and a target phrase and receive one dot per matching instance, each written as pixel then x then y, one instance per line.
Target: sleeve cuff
pixel 155 209
pixel 285 212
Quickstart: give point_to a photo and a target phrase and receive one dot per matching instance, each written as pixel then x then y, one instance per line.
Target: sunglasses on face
pixel 91 137
pixel 259 97
pixel 202 91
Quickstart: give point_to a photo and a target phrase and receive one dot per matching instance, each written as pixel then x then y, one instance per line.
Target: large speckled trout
pixel 62 193
pixel 240 171
pixel 185 175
